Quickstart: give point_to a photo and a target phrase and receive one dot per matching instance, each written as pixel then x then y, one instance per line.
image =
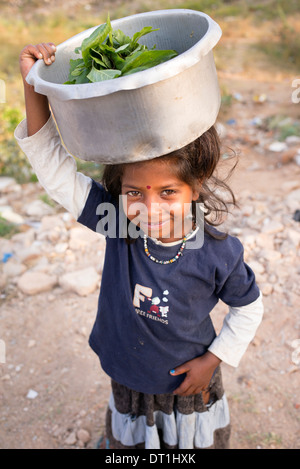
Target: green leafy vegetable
pixel 108 54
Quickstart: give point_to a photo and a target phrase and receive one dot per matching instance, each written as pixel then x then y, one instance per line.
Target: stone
pixel 272 227
pixel 32 394
pixel 27 254
pixel 11 216
pixel 13 268
pixel 38 209
pixel 3 280
pixel 26 238
pixel 257 267
pixel 71 439
pixel 288 156
pixel 278 147
pixel 81 237
pixel 291 185
pixel 294 236
pixel 32 283
pixel 49 222
pixel 271 255
pixel 5 182
pixel 83 282
pixel 293 200
pixel 264 240
pixel 83 435
pixel 266 289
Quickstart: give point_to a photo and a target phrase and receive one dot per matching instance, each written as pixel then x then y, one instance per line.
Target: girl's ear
pixel 196 191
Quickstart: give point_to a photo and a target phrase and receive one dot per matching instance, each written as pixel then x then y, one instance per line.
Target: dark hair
pixel 195 164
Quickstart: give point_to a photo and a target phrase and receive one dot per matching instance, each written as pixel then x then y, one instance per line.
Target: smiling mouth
pixel 152 224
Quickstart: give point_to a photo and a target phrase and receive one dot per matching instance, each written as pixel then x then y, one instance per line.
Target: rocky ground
pixel 53 393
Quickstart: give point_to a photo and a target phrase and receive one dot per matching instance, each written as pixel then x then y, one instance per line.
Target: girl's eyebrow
pixel 129 186
pixel 171 185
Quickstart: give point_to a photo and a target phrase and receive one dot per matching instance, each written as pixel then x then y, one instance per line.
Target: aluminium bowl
pixel 149 113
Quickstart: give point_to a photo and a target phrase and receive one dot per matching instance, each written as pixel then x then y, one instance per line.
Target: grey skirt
pixel 165 421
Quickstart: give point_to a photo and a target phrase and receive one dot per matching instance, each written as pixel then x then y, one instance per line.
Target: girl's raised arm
pixel 36 105
pixel 39 139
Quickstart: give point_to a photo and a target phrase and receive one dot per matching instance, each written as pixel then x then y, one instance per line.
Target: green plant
pixel 7 229
pixel 108 54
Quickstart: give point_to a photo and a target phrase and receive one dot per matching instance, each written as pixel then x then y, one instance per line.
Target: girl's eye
pixel 133 193
pixel 168 192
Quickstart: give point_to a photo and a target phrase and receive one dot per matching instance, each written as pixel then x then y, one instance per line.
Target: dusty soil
pixel 46 334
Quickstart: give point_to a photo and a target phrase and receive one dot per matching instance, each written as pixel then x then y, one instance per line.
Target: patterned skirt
pixel 165 421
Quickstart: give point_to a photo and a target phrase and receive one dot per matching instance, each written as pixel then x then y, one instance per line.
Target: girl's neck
pixel 173 242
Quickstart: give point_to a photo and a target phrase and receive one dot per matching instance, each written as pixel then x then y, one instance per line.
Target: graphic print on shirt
pixel 154 308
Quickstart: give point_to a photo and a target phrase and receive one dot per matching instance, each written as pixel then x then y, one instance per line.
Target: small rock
pixel 9 215
pixel 32 283
pixel 38 209
pixel 3 280
pixel 278 147
pixel 81 237
pixel 294 237
pixel 271 255
pixel 71 439
pixel 83 436
pixel 264 240
pixel 25 239
pixel 272 227
pixel 288 156
pixel 27 254
pixel 5 182
pixel 32 394
pixel 266 289
pixel 291 185
pixel 293 200
pixel 83 282
pixel 257 267
pixel 13 269
pixel 50 221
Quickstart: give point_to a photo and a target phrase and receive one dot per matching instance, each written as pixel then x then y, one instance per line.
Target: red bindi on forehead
pixel 148 187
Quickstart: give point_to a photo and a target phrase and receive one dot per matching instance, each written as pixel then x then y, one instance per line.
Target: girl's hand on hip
pixel 199 372
pixel 30 54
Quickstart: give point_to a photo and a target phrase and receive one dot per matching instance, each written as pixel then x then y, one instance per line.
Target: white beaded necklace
pixel 170 261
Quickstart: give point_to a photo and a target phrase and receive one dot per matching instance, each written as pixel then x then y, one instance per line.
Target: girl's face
pixel 157 201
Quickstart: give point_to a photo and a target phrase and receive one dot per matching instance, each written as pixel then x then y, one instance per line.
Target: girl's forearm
pixel 37 109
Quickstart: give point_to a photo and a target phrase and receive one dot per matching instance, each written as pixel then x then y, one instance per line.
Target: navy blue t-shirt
pixel 153 317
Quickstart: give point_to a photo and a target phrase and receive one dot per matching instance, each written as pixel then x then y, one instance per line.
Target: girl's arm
pixel 239 328
pixel 36 105
pixel 40 141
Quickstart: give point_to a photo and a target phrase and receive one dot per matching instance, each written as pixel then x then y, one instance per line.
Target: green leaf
pixel 143 32
pixel 102 75
pixel 110 37
pixel 77 72
pixel 146 59
pixel 97 37
pixel 119 38
pixel 116 60
pixel 122 48
pixel 100 58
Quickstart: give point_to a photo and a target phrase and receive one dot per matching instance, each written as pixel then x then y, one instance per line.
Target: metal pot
pixel 146 114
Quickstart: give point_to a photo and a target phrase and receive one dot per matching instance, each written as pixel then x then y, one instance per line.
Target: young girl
pixel 164 272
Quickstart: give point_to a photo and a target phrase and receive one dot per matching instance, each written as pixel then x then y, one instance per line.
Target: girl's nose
pixel 152 203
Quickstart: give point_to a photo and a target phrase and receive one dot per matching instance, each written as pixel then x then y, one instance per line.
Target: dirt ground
pixel 46 334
